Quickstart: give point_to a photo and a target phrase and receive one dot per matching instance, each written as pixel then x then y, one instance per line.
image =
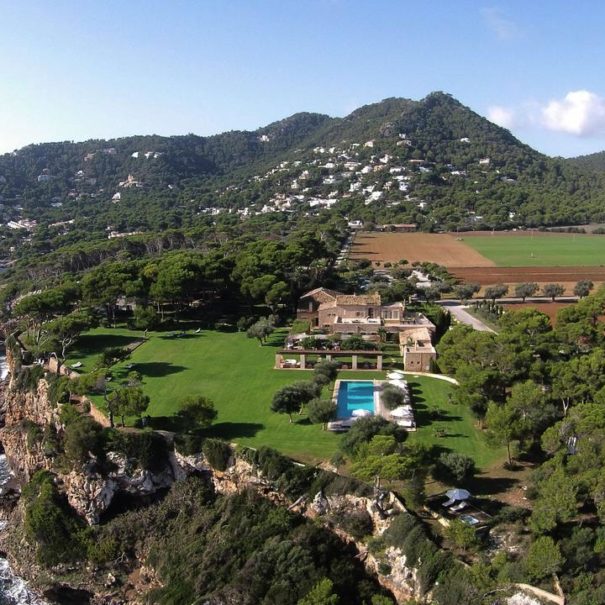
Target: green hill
pixel 433 162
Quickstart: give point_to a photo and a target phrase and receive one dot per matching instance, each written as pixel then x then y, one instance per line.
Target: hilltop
pixel 592 161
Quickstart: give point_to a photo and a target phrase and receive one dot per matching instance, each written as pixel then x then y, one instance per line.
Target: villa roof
pixel 322 295
pixel 415 334
pixel 358 299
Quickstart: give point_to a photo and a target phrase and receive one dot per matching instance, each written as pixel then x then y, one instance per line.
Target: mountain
pixel 592 161
pixel 433 162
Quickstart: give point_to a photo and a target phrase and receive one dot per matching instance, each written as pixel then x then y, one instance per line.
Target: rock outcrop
pixel 92 489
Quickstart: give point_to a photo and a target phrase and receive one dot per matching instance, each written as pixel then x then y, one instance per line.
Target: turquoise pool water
pixel 354 395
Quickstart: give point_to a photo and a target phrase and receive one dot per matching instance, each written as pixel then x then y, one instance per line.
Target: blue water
pixel 354 395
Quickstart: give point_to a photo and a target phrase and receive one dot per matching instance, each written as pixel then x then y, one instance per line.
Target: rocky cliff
pixel 91 491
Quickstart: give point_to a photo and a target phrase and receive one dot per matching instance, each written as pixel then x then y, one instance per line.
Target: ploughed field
pixel 486 258
pixel 441 248
pixel 550 308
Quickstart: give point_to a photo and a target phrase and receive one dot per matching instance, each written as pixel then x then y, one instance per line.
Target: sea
pixel 13 589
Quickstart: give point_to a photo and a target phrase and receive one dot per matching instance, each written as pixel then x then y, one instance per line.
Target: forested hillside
pixel 432 162
pixel 592 161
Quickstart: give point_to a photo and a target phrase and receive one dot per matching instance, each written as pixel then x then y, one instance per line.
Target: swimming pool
pixel 354 395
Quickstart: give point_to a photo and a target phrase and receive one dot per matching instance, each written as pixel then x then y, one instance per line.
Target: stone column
pixel 379 362
pixel 328 357
pixel 303 361
pixel 278 360
pixel 354 364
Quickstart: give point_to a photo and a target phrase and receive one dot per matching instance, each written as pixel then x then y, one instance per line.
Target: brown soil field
pixel 551 308
pixel 441 248
pixel 566 276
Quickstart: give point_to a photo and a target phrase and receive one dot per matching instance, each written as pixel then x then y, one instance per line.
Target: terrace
pixel 356 399
pixel 445 509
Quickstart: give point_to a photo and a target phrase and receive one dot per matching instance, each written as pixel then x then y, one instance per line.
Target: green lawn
pixel 556 250
pixel 238 375
pixel 454 428
pixel 91 345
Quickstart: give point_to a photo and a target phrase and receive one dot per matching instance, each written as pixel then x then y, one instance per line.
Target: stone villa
pixel 365 315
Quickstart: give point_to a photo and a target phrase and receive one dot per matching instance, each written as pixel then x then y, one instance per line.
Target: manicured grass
pixel 540 250
pixel 454 428
pixel 91 345
pixel 238 375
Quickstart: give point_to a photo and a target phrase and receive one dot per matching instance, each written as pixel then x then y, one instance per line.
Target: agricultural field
pixel 537 249
pixel 550 308
pixel 486 258
pixel 441 248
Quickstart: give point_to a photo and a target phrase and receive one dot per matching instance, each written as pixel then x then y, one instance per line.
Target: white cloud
pixel 502 26
pixel 580 112
pixel 503 116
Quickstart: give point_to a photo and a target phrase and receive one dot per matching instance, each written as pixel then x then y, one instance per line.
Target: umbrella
pixel 360 413
pixel 458 494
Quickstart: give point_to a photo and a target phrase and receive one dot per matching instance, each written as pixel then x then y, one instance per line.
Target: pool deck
pixel 379 409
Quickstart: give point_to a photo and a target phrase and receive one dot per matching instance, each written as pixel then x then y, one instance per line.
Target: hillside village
pixel 432 163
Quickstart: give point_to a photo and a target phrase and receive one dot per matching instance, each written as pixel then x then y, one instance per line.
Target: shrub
pixel 69 413
pixel 148 449
pixel 362 432
pixel 397 532
pixel 300 326
pixel 50 441
pixel 462 535
pixel 50 523
pixel 197 411
pixel 358 523
pixel 58 389
pixel 326 368
pixel 28 377
pixel 217 453
pixel 33 433
pixel 392 396
pixel 543 558
pixel 189 443
pixel 453 468
pixel 83 436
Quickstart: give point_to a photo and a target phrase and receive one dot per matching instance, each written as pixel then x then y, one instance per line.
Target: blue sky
pixel 73 70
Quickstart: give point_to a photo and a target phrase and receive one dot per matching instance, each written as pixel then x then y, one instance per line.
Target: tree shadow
pixel 487 486
pixel 233 430
pixel 90 343
pixel 157 369
pixel 173 424
pixel 180 336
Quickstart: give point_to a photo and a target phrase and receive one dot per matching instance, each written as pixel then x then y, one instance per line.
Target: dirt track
pixel 440 248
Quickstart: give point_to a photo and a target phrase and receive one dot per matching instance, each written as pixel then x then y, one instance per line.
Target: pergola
pixel 299 358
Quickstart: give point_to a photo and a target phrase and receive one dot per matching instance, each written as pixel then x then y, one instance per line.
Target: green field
pixel 238 375
pixel 540 250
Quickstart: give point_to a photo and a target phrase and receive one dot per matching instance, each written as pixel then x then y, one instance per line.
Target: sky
pixel 75 70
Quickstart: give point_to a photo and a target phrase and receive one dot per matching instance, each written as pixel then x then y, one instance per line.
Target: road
pixel 458 310
pixel 460 314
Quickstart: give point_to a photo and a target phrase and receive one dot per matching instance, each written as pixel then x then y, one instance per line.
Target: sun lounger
pixel 448 503
pixel 461 506
pixel 76 365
